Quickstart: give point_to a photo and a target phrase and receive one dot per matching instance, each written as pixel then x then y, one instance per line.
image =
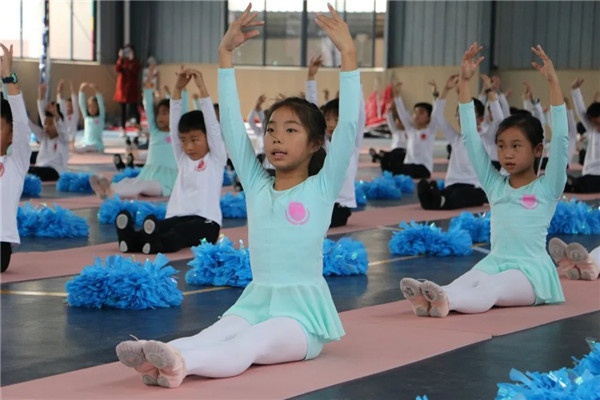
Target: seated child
pixel 94 117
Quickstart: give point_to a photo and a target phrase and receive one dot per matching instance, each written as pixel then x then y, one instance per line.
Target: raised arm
pixel 257 113
pixel 311 84
pixel 236 139
pixel 437 115
pixel 20 143
pixel 557 164
pixel 175 112
pixel 41 103
pixel 579 104
pixel 400 108
pixel 484 169
pixel 216 145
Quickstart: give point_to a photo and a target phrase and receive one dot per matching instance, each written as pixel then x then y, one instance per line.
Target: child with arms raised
pixel 193 211
pixel 94 117
pixel 286 313
pixel 518 271
pixel 14 132
pixel 158 175
pixel 70 112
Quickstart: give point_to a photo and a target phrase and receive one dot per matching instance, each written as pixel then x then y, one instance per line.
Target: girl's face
pixel 331 119
pixel 50 127
pixel 516 153
pixel 162 118
pixel 286 141
pixel 6 136
pixel 92 106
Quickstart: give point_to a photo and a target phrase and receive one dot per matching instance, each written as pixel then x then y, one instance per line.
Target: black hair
pixel 48 113
pixel 192 121
pixel 5 111
pixel 331 106
pixel 580 128
pixel 528 124
pixel 479 108
pixel 313 121
pixel 593 111
pixel 216 106
pixel 518 111
pixel 427 106
pixel 162 103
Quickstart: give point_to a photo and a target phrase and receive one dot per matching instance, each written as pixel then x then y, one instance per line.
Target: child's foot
pixel 96 187
pixel 150 241
pixel 374 155
pixel 118 162
pixel 131 354
pixel 130 160
pixel 411 289
pixel 588 270
pixel 106 186
pixel 436 296
pixel 170 363
pixel 125 232
pixel 429 195
pixel 557 249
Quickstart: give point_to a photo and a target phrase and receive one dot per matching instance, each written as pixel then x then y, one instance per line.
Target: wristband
pixel 12 78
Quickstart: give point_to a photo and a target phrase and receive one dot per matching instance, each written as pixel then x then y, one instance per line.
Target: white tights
pixel 132 187
pixel 477 292
pixel 232 345
pixel 595 255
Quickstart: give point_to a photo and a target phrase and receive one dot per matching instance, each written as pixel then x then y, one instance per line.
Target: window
pixel 290 36
pixel 71 28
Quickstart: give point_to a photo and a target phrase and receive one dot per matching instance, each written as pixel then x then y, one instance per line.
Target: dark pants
pixel 34 154
pixel 455 196
pixel 127 110
pixel 44 173
pixel 415 171
pixel 176 233
pixel 340 215
pixel 583 184
pixel 5 253
pixel 393 161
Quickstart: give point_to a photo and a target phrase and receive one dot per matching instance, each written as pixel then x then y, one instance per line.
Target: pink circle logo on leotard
pixel 168 139
pixel 529 201
pixel 296 213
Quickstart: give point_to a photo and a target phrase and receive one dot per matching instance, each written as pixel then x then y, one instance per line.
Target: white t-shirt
pixel 13 170
pixel 197 189
pixel 419 145
pixel 53 153
pixel 591 164
pixel 71 122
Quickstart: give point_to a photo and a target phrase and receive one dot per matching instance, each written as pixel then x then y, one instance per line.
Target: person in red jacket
pixel 127 92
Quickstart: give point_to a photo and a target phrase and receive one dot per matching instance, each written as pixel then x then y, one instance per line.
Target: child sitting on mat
pixel 194 209
pixel 94 117
pixel 14 133
pixel 158 174
pixel 574 261
pixel 518 270
pixel 286 313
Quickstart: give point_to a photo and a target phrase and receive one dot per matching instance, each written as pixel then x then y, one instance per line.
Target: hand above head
pixel 260 101
pixel 313 66
pixel 60 86
pixel 183 78
pixel 527 91
pixel 470 62
pixel 6 60
pixel 237 34
pixel 451 82
pixel 337 30
pixel 576 84
pixel 546 68
pixel 486 81
pixel 397 88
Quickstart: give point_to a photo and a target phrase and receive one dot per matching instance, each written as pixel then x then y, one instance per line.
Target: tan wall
pixel 253 81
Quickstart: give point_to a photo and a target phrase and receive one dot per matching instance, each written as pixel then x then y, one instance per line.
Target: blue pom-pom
pixel 32 186
pixel 75 182
pixel 359 194
pixel 417 239
pixel 126 173
pixel 234 206
pixel 219 264
pixel 382 187
pixel 126 284
pixel 344 257
pixel 111 207
pixel 441 184
pixel 404 182
pixel 54 222
pixel 581 382
pixel 227 178
pixel 422 398
pixel 478 226
pixel 575 218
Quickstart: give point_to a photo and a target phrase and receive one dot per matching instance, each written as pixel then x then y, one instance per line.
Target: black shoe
pixel 374 156
pixel 126 235
pixel 118 162
pixel 130 160
pixel 429 197
pixel 151 241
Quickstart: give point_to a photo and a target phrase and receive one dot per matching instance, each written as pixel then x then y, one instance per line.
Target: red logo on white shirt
pixel 1 168
pixel 423 136
pixel 55 146
pixel 201 166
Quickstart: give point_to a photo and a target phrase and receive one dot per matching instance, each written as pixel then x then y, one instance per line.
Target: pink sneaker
pixel 170 363
pixel 411 289
pixel 440 306
pixel 131 354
